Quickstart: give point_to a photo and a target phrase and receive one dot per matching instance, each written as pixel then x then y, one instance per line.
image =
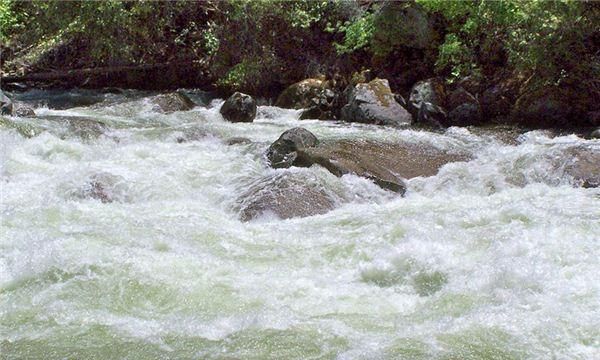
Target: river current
pixel 492 258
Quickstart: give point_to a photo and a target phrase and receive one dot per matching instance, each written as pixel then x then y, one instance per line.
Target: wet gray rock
pixel 595 134
pixel 239 108
pixel 6 104
pixel 171 102
pixel 286 196
pixel 544 108
pixel 374 103
pixel 284 151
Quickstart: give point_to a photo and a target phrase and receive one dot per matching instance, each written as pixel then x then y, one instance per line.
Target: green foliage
pixel 357 34
pixel 455 57
pixel 546 37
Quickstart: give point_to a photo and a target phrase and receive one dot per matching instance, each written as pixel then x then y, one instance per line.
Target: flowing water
pixel 494 258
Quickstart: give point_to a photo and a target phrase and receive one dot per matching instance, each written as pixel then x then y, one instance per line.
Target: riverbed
pixel 492 258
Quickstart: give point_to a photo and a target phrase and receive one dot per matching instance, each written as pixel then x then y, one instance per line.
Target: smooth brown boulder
pixel 300 94
pixel 387 164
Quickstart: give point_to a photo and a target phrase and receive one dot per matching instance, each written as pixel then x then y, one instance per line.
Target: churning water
pixel 494 258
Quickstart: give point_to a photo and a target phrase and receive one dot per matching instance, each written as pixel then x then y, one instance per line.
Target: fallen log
pixel 146 76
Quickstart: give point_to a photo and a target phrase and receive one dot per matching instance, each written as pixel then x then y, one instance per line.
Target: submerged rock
pixel 374 103
pixel 238 141
pixel 23 128
pixel 100 186
pixel 190 134
pixel 175 101
pixel 239 108
pixel 285 196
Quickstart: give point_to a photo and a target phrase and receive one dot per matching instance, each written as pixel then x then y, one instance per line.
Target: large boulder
pixel 286 195
pixel 300 94
pixel 386 164
pixel 239 108
pixel 374 103
pixel 6 105
pixel 175 101
pixel 284 151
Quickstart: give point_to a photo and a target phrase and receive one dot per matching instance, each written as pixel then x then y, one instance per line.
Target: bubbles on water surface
pixel 134 248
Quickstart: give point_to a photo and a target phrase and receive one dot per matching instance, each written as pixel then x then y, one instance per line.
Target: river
pixel 492 258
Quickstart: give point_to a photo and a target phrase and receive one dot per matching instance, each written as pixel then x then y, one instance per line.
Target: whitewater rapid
pixel 494 258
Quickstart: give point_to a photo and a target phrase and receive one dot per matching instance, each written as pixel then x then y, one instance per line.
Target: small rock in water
pixel 86 129
pixel 238 141
pixel 167 103
pixel 595 134
pixel 100 186
pixel 239 108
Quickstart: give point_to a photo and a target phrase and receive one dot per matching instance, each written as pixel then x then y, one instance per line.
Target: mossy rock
pixel 299 95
